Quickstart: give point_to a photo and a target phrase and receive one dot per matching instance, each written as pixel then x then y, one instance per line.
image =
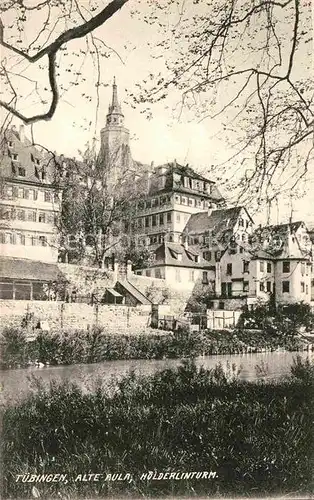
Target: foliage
pixel 255 436
pixel 284 320
pixel 79 346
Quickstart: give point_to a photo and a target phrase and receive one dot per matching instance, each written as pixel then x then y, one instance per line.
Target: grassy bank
pixel 256 437
pixel 80 346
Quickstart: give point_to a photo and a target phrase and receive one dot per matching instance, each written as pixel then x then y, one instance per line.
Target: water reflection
pixel 16 384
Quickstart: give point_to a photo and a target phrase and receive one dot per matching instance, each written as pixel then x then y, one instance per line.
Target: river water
pixel 16 384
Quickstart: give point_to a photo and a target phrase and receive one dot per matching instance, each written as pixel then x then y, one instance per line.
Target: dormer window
pixel 10 144
pixel 15 156
pixel 21 171
pixel 43 175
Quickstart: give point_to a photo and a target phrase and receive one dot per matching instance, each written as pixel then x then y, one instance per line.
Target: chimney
pixel 22 133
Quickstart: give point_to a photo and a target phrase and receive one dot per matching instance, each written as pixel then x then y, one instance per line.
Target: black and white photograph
pixel 156 249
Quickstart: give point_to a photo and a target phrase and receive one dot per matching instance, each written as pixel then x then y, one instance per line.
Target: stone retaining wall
pixel 60 315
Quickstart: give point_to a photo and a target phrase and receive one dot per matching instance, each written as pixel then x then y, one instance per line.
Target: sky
pixel 161 138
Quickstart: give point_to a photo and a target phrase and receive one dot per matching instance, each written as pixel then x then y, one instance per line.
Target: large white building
pixel 29 211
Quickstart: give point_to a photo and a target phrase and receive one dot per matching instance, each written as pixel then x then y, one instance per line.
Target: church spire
pixel 115 107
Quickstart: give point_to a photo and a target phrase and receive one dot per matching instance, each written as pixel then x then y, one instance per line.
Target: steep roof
pixel 174 254
pixel 24 269
pixel 282 243
pixel 219 220
pixel 32 159
pixel 126 286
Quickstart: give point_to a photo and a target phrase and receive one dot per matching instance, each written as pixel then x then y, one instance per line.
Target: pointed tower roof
pixel 115 107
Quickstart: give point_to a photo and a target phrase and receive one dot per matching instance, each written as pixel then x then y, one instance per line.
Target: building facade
pixel 29 211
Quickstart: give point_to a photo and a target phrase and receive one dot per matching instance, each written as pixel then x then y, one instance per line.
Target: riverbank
pixel 253 438
pixel 80 346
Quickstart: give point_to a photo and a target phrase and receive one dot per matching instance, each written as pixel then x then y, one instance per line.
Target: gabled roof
pixel 27 157
pixel 174 254
pixel 283 244
pixel 218 221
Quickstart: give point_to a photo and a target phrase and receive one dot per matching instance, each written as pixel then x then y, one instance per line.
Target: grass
pixel 257 437
pixel 80 346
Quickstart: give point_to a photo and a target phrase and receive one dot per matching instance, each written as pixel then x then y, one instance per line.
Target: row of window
pixel 166 199
pixel 12 213
pixel 22 239
pixel 12 192
pixel 179 275
pixel 22 291
pixel 285 287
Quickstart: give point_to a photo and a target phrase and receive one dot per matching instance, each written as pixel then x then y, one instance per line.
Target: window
pixel 229 289
pixel 303 268
pixel 47 196
pixel 224 289
pixel 268 286
pixel 191 202
pixel 6 291
pixel 262 266
pixel 9 192
pixel 148 204
pixel 43 175
pixel 35 195
pixel 161 219
pixel 302 287
pixel 178 275
pixel 12 239
pixel 217 255
pixel 22 171
pixel 33 241
pixel 15 156
pixel 154 220
pixel 221 305
pixel 269 267
pixel 10 144
pixel 307 289
pixel 262 286
pixel 36 172
pixel 241 222
pixel 43 241
pixel 157 273
pixel 184 200
pixel 207 255
pixel 26 194
pixel 229 269
pixel 191 276
pixel 285 286
pixel 286 268
pixel 205 278
pixel 2 238
pixel 146 221
pixel 198 203
pixel 42 217
pixel 20 193
pixel 168 216
pixel 22 239
pixel 245 286
pixel 178 218
pixel 241 249
pixel 21 214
